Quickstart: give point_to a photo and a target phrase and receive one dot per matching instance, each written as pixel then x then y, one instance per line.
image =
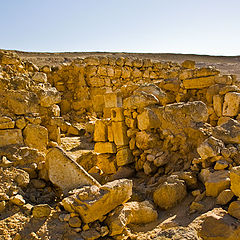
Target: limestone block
pixel 117 114
pixel 117 72
pixel 6 122
pixel 131 122
pixel 10 136
pixel 21 123
pixel 231 104
pixel 223 120
pixel 100 131
pixel 36 136
pixel 8 59
pixel 228 132
pixel 120 133
pixel 199 83
pixel 147 62
pixel 65 173
pixel 225 79
pixel 155 91
pixel 96 81
pixel 234 209
pixel 170 193
pixel 146 140
pixel 218 105
pixel 132 143
pixel 217 182
pixel 92 203
pixel 235 180
pixel 225 197
pixel 22 102
pixel 217 224
pixel 90 71
pixel 112 100
pixel 110 133
pixel 124 156
pixel 186 74
pixel 92 61
pixel 140 101
pixel 106 163
pixel 131 212
pixel 49 97
pixel 211 91
pixel 54 133
pixel 126 73
pixel 107 112
pixel 136 73
pixel 206 71
pixel 110 71
pixel 41 210
pixel 105 147
pixel 146 73
pixel 196 207
pixel 189 64
pixel 221 164
pixel 211 147
pixel 40 77
pixel 229 88
pixel 137 63
pixel 17 200
pixel 98 103
pixel 102 70
pixel 120 61
pixel 147 120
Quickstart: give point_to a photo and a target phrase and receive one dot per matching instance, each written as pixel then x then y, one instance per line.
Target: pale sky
pixel 157 26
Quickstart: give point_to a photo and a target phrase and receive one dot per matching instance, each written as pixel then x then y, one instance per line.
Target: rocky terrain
pixel 119 146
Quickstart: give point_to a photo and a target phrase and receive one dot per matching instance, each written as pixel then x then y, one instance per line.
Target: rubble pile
pixel 103 144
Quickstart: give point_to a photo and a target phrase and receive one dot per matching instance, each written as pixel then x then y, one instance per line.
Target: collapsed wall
pixel 175 127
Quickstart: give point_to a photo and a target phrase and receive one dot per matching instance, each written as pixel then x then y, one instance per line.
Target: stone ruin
pixel 163 132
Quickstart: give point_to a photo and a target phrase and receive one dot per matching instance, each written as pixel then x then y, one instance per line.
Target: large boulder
pixel 130 212
pixel 183 118
pixel 65 173
pixel 93 202
pixel 169 193
pixel 217 225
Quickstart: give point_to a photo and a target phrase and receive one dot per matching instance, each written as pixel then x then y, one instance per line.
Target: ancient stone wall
pixel 143 106
pixel 84 84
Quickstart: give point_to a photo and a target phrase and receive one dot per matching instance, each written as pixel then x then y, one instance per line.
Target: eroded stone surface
pixel 66 173
pixel 91 203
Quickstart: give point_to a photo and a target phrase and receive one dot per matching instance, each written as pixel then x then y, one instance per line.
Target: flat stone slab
pixel 65 173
